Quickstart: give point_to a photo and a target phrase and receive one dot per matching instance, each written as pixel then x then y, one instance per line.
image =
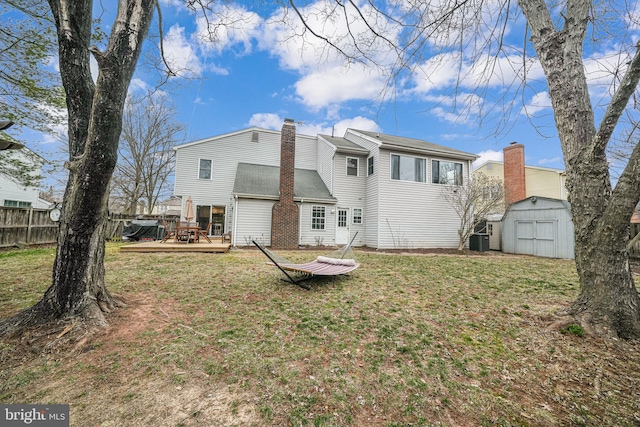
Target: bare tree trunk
pixel 608 303
pixel 95 121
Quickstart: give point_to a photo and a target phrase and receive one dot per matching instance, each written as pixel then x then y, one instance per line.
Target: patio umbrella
pixel 188 209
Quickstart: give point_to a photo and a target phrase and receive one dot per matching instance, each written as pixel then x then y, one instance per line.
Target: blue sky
pixel 256 74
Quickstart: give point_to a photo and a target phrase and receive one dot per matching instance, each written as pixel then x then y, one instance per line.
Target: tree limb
pixel 618 103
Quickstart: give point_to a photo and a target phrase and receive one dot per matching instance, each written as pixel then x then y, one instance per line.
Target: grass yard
pixel 406 340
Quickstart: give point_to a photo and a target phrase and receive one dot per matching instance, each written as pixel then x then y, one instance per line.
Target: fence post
pixel 29 226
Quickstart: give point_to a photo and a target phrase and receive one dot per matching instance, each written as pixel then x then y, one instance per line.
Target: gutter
pixel 429 152
pixel 331 201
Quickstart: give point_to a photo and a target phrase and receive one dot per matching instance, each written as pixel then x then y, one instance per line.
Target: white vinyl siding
pixel 325 163
pixel 11 191
pixel 350 192
pixel 413 216
pixel 368 232
pixel 226 151
pixel 253 221
pixel 310 237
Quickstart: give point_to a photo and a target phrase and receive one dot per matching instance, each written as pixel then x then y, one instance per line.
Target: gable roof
pixel 394 142
pixel 343 145
pixel 263 182
pixel 542 168
pixel 530 203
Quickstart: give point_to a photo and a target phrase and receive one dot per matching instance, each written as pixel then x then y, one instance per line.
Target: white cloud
pixel 274 121
pixel 487 155
pixel 226 26
pixel 327 77
pixel 340 127
pixel 293 43
pixel 460 109
pixel 324 88
pixel 266 121
pixel 548 161
pixel 539 102
pixel 604 71
pixel 138 85
pixel 181 56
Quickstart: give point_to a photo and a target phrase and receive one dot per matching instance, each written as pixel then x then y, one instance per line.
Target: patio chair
pixel 335 265
pixel 169 233
pixel 204 233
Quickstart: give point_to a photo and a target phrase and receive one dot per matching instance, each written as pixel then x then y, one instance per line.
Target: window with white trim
pixel 205 169
pixel 17 204
pixel 318 216
pixel 370 168
pixel 446 172
pixel 357 216
pixel 352 166
pixel 408 168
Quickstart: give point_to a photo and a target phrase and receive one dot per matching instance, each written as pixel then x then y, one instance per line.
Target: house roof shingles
pixel 260 181
pixel 344 145
pixel 402 143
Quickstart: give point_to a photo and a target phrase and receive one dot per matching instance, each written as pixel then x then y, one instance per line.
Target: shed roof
pixel 263 182
pixel 547 203
pixel 403 143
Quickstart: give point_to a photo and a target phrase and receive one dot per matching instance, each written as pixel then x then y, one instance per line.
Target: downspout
pixel 300 222
pixel 235 221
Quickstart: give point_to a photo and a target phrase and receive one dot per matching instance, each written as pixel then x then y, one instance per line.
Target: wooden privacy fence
pixel 29 226
pixel 20 227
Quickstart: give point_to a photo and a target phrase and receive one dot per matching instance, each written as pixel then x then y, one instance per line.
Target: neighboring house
pixel 170 206
pixel 13 194
pixel 386 188
pixel 522 181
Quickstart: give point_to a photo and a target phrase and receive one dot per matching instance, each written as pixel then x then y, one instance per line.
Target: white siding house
pixel 13 194
pixel 386 188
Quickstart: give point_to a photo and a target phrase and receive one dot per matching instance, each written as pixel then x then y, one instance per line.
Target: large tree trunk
pixel 608 303
pixel 95 121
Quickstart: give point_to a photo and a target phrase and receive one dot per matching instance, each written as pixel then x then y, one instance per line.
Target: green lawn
pixel 405 340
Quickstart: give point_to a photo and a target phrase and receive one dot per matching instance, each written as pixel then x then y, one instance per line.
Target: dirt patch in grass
pixel 103 388
pixel 405 340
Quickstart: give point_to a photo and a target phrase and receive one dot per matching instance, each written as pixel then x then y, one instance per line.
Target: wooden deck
pixel 216 246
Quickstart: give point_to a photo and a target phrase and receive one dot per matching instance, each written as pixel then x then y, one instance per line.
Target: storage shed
pixel 539 226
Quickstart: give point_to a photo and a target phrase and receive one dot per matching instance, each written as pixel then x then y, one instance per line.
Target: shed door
pixel 536 237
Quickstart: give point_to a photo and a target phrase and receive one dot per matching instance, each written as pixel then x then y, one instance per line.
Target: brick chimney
pixel 514 179
pixel 284 214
